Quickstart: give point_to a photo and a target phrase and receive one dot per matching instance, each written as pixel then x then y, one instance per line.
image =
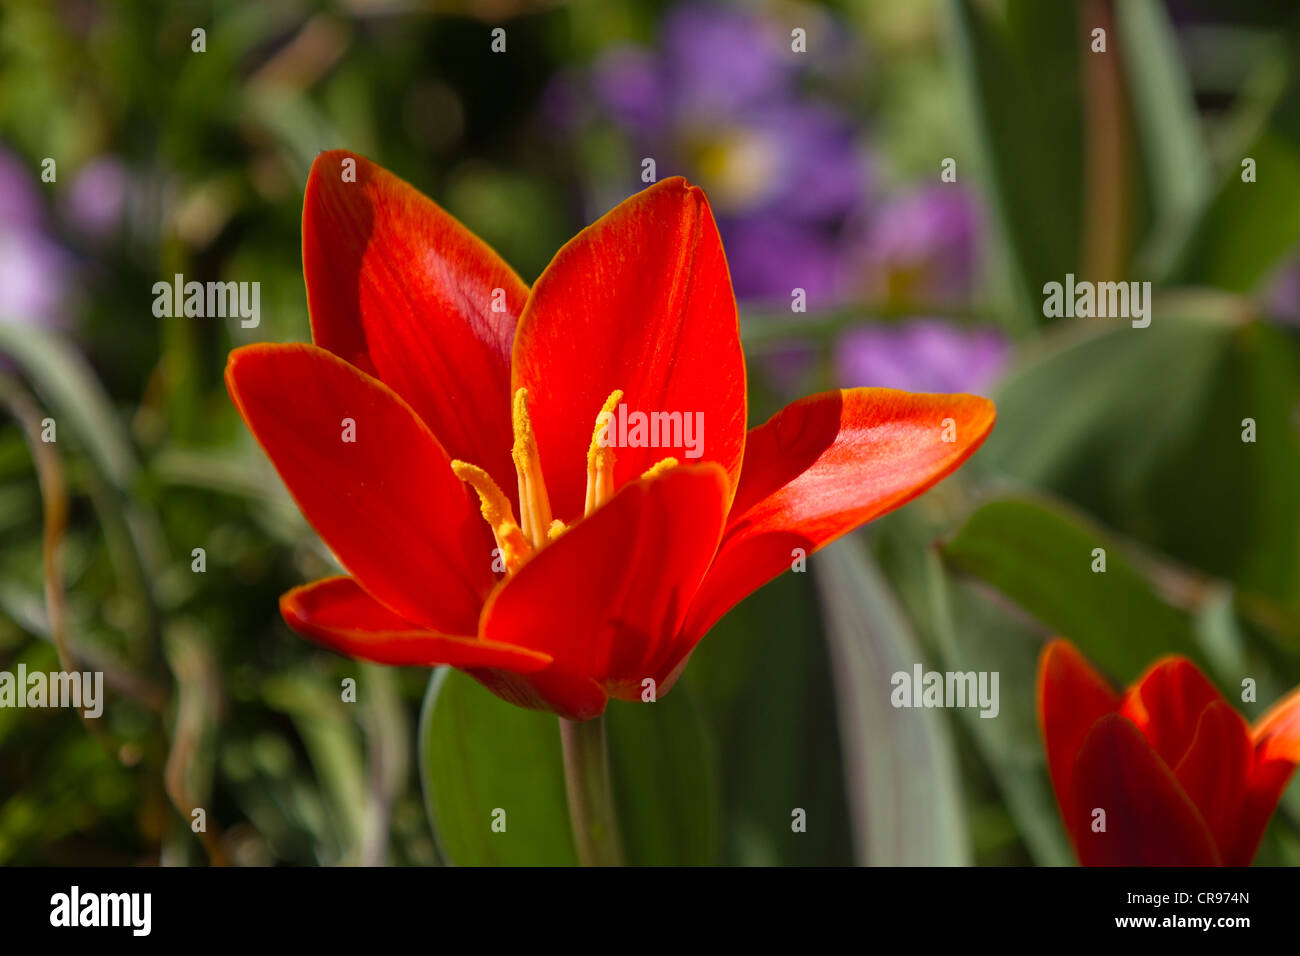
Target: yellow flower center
pixel 518 540
pixel 739 165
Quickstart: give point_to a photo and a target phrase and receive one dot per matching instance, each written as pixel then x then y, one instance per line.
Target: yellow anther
pixel 534 505
pixel 601 450
pixel 600 455
pixel 515 548
pixel 536 528
pixel 659 467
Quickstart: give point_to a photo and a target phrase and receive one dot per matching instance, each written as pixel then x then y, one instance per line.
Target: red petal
pixel 640 301
pixel 402 290
pixel 1277 752
pixel 1277 733
pixel 337 614
pixel 563 692
pixel 387 503
pixel 1166 705
pixel 1072 697
pixel 606 600
pixel 1216 773
pixel 825 465
pixel 1150 821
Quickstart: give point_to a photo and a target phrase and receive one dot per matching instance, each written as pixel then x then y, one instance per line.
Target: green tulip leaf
pixel 1074 579
pixel 904 787
pixel 493 779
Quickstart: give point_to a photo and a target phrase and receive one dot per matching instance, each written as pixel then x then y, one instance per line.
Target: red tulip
pixel 1182 778
pixel 455 375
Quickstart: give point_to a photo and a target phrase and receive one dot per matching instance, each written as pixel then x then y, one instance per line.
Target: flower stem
pixel 591 798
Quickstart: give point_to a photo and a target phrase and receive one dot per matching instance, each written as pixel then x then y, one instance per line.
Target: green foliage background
pixel 1107 437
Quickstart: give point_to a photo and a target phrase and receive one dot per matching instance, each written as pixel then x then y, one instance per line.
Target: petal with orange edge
pixel 1149 820
pixel 386 503
pixel 1216 772
pixel 1072 697
pixel 337 614
pixel 1276 737
pixel 1166 704
pixel 1277 733
pixel 402 290
pixel 639 301
pixel 825 465
pixel 607 598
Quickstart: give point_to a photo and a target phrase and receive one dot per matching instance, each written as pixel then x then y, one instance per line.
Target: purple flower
pixel 920 249
pixel 34 270
pixel 719 61
pixel 33 273
pixel 719 101
pixel 20 201
pixel 768 257
pixel 628 83
pixel 819 172
pixel 1282 298
pixel 96 200
pixel 921 355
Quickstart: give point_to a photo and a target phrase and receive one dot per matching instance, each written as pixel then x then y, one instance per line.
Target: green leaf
pixel 972 629
pixel 68 384
pixel 334 746
pixel 1024 94
pixel 664 784
pixel 1118 398
pixel 974 634
pixel 763 678
pixel 904 787
pixel 479 755
pixel 1245 498
pixel 1248 227
pixel 1042 557
pixel 1143 429
pixel 1168 129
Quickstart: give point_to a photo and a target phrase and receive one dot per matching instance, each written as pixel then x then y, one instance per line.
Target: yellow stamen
pixel 536 528
pixel 534 505
pixel 659 467
pixel 600 456
pixel 515 549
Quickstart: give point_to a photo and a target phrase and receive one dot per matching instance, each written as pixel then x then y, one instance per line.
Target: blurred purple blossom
pixel 712 62
pixel 20 201
pixel 920 248
pixel 719 101
pixel 35 271
pixel 922 355
pixel 768 257
pixel 1283 296
pixel 96 201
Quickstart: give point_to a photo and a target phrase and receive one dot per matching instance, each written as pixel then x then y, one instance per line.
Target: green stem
pixel 591 798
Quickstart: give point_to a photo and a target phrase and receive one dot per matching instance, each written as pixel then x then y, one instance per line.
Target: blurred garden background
pixel 824 168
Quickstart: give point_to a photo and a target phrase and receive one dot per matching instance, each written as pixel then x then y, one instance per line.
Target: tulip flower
pixel 451 435
pixel 576 570
pixel 1182 779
